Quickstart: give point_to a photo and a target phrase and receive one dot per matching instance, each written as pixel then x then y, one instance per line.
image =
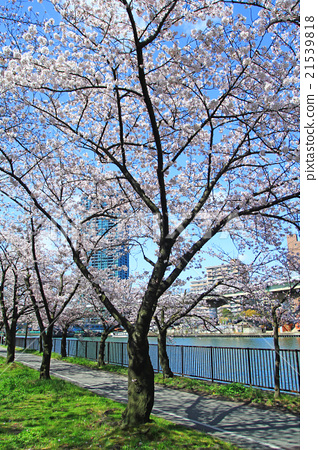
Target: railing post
pixel 96 350
pixel 249 366
pixel 298 368
pixel 76 348
pixel 182 360
pixel 86 342
pixel 122 354
pixel 211 356
pixel 158 359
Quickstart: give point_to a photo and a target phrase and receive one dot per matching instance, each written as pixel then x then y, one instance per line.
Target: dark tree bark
pixel 47 338
pixel 102 345
pixel 10 341
pixel 26 336
pixel 162 345
pixel 41 343
pixel 277 353
pixel 63 342
pixel 11 328
pixel 163 355
pixel 140 383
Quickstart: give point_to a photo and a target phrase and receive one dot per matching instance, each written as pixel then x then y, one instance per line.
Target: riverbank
pixel 195 335
pixel 221 335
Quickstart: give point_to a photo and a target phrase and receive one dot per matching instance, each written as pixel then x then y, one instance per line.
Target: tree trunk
pixel 47 338
pixel 163 356
pixel 10 341
pixel 140 383
pixel 102 345
pixel 41 343
pixel 277 354
pixel 26 336
pixel 63 343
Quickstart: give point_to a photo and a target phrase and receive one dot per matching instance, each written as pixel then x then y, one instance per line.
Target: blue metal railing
pixel 248 366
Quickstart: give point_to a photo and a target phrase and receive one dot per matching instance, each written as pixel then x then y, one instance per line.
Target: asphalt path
pixel 247 426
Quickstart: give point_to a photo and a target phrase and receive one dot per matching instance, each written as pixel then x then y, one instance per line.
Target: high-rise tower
pixel 114 255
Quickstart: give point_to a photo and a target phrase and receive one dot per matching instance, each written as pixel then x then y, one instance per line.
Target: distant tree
pixel 108 322
pixel 173 308
pixel 271 295
pixel 14 301
pixel 279 308
pixel 52 283
pixel 123 294
pixel 227 314
pixel 74 313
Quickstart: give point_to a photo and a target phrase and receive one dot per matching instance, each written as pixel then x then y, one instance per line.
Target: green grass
pixel 54 414
pixel 232 391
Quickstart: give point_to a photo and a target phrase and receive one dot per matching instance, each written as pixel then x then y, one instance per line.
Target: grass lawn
pixel 54 414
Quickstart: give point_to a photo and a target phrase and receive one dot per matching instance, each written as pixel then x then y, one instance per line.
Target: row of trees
pixel 175 119
pixel 49 302
pixel 38 288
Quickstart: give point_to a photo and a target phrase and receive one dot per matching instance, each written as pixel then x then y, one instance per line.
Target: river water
pixel 289 342
pixel 285 342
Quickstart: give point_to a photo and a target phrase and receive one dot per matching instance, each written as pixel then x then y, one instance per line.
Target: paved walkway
pixel 245 425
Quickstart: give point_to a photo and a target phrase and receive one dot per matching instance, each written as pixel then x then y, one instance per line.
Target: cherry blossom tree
pixel 75 312
pixel 108 322
pixel 52 283
pixel 188 110
pixel 283 304
pixel 124 295
pixel 14 301
pixel 109 325
pixel 173 308
pixel 267 291
pixel 277 307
